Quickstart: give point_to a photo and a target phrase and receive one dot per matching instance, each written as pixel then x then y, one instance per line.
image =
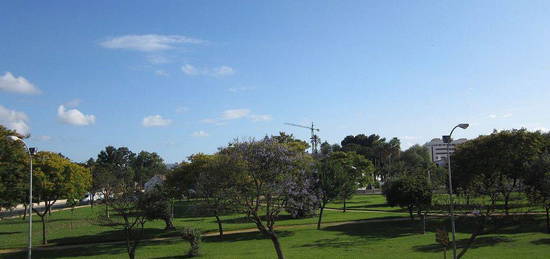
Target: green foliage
pixel 193 236
pixel 14 170
pixel 146 165
pixel 410 192
pixel 155 204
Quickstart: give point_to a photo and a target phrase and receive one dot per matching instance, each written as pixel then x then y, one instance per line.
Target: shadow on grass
pixel 479 242
pixel 109 236
pixel 91 250
pixel 542 241
pixel 241 220
pixel 245 236
pixel 10 233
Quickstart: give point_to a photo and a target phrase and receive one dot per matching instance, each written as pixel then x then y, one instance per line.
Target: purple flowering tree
pixel 260 188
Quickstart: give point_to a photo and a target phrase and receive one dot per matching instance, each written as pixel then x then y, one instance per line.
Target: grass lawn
pixel 75 227
pixel 365 240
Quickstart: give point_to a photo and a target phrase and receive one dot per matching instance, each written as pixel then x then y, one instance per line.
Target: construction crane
pixel 314 138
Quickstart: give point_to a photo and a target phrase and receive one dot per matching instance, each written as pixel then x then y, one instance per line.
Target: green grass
pixel 366 240
pixel 370 239
pixel 78 226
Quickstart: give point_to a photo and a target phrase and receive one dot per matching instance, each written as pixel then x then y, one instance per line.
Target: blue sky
pixel 180 77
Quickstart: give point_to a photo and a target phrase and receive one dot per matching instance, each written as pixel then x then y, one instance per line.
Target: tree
pixel 261 184
pixel 113 172
pixel 213 174
pixel 359 172
pixel 538 184
pixel 130 216
pixel 502 156
pixel 332 178
pixel 54 178
pixel 155 204
pixel 410 192
pixel 146 165
pixel 14 171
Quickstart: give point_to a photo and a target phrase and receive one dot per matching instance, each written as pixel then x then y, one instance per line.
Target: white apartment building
pixel 438 149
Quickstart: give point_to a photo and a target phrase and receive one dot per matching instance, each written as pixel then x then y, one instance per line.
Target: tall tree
pixel 54 178
pixel 537 183
pixel 113 171
pixel 14 171
pixel 261 186
pixel 146 165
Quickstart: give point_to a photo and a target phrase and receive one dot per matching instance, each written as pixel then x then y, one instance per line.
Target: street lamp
pixel 31 152
pixel 447 139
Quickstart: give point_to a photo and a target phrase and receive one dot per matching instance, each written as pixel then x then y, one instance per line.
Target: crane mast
pixel 314 138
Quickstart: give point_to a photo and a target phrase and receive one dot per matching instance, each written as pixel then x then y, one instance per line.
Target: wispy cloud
pixel 234 114
pixel 14 120
pixel 260 117
pixel 155 121
pixel 148 42
pixel 239 89
pixel 74 117
pixel 500 116
pixel 200 133
pixel 157 59
pixel 42 138
pixel 11 83
pixel 73 103
pixel 191 70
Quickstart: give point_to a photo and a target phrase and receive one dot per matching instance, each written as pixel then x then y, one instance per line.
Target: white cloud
pixel 10 83
pixel 155 121
pixel 260 117
pixel 500 116
pixel 14 120
pixel 74 117
pixel 200 133
pixel 223 71
pixel 191 70
pixel 543 129
pixel 148 42
pixel 161 73
pixel 409 138
pixel 235 114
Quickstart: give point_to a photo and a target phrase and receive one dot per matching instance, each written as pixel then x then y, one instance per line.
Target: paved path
pixel 208 234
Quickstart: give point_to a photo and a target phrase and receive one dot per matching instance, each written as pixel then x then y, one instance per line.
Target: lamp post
pixel 31 152
pixel 447 139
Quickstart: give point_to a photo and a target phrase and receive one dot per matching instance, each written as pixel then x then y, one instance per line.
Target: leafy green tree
pixel 332 179
pixel 113 172
pixel 261 185
pixel 359 171
pixel 537 184
pixel 155 204
pixel 146 165
pixel 55 177
pixel 213 174
pixel 502 156
pixel 410 192
pixel 14 171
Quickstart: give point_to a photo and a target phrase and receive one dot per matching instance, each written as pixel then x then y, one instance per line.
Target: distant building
pixel 154 181
pixel 438 149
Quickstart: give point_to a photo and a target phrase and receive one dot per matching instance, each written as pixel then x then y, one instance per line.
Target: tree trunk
pixel 169 224
pixel 277 245
pixel 411 213
pixel 320 217
pixel 26 211
pixel 506 206
pixel 344 205
pixel 547 220
pixel 43 219
pixel 423 223
pixel 444 252
pixel 220 228
pixel 106 208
